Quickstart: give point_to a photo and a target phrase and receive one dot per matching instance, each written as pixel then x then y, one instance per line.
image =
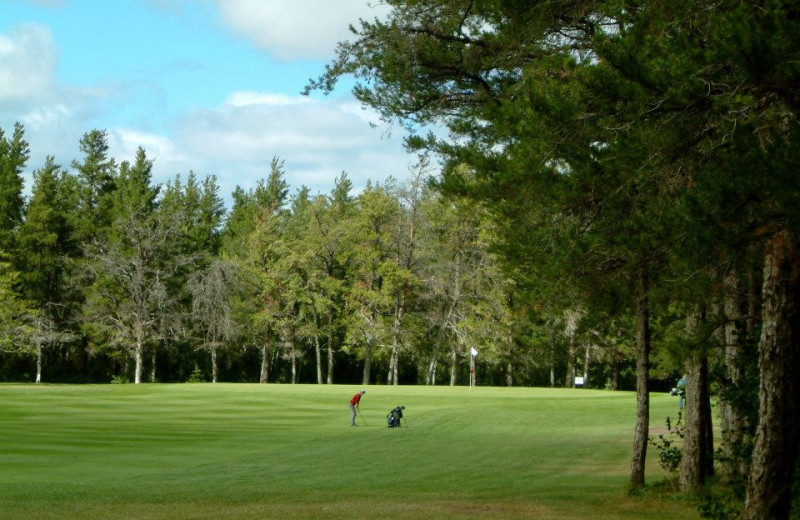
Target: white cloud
pixel 28 60
pixel 301 29
pixel 242 98
pixel 124 142
pixel 317 139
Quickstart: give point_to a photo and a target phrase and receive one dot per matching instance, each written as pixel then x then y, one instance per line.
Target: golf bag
pixel 393 417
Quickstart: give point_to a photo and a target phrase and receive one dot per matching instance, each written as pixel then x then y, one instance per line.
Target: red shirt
pixel 356 398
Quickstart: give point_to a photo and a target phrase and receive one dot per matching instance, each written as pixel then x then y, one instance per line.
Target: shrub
pixel 197 375
pixel 669 446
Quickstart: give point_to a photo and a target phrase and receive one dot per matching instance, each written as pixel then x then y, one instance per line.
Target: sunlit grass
pixel 280 451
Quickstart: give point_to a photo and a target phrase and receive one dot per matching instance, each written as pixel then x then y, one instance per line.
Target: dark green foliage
pixel 47 238
pixel 669 446
pixel 14 154
pixel 135 189
pixel 199 207
pixel 720 502
pixel 196 376
pixel 97 177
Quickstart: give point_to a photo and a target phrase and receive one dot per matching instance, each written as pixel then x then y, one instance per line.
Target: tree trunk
pixel 586 361
pixel 153 367
pixel 615 363
pixel 509 374
pixel 396 366
pixel 438 345
pixel 293 357
pixel 138 352
pixel 318 352
pixel 734 425
pixel 391 378
pixel 213 365
pixel 754 293
pixel 552 358
pixel 330 350
pixel 570 381
pixel 399 311
pixel 453 365
pixel 472 374
pixel 264 376
pixel 642 429
pixel 38 363
pixel 390 373
pixel 771 473
pixel 695 466
pixel 126 364
pixel 431 379
pixel 367 364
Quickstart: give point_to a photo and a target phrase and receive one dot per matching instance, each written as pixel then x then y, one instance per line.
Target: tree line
pixel 639 160
pixel 108 276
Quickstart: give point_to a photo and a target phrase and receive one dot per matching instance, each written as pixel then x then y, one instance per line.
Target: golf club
pixel 362 418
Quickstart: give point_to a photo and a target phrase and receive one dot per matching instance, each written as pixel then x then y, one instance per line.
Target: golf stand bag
pixel 393 417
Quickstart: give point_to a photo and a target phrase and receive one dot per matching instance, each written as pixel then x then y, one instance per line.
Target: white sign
pixel 578 381
pixel 473 351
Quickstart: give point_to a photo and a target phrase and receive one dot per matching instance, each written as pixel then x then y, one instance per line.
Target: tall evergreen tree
pixel 14 154
pixel 47 252
pixel 273 194
pixel 97 175
pixel 47 237
pixel 15 311
pixel 239 223
pixel 135 184
pixel 203 207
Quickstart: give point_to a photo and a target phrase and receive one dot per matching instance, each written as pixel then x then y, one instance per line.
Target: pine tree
pixel 14 154
pixel 97 175
pixel 47 252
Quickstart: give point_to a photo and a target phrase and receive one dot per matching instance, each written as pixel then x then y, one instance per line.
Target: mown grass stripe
pixel 261 451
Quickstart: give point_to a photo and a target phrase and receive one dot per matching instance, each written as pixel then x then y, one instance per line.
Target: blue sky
pixel 210 86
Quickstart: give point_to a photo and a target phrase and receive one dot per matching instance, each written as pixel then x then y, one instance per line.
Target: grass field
pixel 236 451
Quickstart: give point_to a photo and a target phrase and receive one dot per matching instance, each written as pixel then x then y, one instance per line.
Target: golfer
pixel 354 401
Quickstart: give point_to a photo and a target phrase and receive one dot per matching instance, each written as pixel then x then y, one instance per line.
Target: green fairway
pixel 236 451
